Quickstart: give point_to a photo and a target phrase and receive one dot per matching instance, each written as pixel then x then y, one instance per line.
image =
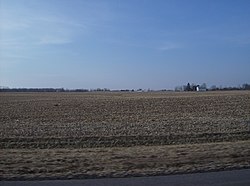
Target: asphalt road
pixel 223 178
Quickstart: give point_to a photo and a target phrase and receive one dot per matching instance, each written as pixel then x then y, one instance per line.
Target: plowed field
pixel 174 133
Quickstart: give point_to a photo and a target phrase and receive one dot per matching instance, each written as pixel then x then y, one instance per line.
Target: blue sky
pixel 120 44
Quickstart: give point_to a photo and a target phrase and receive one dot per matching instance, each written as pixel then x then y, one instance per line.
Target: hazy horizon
pixel 124 44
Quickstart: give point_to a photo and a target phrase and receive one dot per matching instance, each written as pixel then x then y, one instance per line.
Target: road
pixel 223 178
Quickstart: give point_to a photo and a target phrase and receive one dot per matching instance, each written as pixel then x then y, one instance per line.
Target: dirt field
pixel 82 135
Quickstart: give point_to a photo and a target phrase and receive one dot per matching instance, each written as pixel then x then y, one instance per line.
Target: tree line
pixel 188 87
pixel 203 87
pixel 41 90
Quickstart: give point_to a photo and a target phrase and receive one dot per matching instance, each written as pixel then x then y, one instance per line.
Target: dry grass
pixel 56 135
pixel 122 162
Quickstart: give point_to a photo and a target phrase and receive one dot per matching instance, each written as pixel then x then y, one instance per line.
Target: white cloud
pixel 14 25
pixel 57 21
pixel 169 46
pixel 239 40
pixel 54 40
pixel 37 30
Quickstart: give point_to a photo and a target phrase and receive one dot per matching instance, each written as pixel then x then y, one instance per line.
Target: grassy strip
pixel 23 164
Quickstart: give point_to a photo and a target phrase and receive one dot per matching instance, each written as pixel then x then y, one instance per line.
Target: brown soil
pixel 56 135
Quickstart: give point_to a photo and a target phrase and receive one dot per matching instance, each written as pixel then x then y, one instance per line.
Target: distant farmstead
pixel 192 87
pixel 201 88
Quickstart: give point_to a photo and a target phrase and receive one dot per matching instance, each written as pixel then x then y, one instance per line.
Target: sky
pixel 124 44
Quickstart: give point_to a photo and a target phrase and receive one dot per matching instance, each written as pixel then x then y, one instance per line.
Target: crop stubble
pixel 122 122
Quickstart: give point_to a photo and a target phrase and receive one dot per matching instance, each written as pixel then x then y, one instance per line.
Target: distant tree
pixel 188 88
pixel 213 87
pixel 106 89
pixel 203 86
pixel 184 87
pixel 246 86
pixel 178 88
pixel 193 87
